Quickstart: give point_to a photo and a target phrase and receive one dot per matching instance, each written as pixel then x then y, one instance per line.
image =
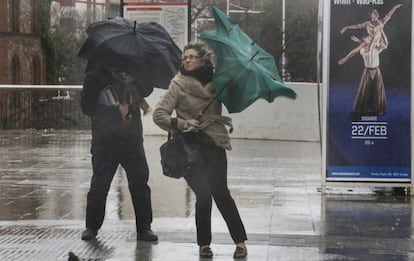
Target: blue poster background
pixel 368 145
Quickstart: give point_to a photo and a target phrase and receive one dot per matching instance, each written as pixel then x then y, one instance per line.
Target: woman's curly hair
pixel 204 53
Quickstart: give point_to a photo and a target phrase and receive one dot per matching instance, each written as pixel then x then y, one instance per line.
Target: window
pixel 15 6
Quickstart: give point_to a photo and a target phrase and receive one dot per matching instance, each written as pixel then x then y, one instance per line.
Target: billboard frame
pixel 324 56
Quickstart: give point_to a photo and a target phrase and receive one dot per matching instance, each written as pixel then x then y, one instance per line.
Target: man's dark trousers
pixel 105 161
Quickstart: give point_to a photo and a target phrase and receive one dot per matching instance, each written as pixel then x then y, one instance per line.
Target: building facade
pixel 20 44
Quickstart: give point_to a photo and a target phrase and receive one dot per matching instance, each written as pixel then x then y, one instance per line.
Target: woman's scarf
pixel 204 73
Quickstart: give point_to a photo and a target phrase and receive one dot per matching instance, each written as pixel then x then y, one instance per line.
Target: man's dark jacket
pixel 108 128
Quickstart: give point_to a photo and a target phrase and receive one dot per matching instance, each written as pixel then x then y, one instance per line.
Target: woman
pixel 191 93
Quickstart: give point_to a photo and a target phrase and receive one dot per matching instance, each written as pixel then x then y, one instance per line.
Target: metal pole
pixel 319 91
pixel 94 10
pixel 283 41
pixel 228 7
pixel 122 8
pixel 189 21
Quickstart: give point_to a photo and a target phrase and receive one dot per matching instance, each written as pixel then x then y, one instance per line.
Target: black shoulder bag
pixel 180 154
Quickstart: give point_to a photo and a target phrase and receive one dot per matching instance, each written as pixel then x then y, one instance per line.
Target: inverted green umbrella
pixel 244 71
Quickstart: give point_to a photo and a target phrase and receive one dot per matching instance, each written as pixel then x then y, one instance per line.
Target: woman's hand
pixel 187 125
pixel 194 122
pixel 191 124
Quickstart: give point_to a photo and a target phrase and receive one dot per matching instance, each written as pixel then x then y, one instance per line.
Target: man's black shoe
pixel 89 234
pixel 147 235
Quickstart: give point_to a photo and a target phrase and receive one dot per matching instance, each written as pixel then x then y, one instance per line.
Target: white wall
pixel 284 119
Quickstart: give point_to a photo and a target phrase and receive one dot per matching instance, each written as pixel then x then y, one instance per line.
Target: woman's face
pixel 191 60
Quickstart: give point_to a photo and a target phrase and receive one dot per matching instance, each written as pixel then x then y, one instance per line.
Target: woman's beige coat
pixel 188 97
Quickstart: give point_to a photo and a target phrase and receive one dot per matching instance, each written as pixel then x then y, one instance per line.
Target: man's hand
pixel 123 109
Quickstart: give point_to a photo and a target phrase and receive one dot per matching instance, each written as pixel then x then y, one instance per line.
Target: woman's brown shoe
pixel 205 252
pixel 240 252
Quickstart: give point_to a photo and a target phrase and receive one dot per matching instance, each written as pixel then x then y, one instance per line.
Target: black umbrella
pixel 145 51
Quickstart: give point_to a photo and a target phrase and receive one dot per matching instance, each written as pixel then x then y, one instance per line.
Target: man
pixel 111 98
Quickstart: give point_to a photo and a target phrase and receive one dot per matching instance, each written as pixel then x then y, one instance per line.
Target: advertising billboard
pixel 367 97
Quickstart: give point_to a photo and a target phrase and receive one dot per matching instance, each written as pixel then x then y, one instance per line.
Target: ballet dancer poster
pixel 368 94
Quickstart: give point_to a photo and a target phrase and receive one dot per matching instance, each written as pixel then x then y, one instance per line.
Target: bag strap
pixel 174 126
pixel 174 123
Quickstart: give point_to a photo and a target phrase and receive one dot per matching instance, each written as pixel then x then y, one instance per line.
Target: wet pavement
pixel 44 179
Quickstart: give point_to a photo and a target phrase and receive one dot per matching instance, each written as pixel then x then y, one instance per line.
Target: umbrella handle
pixel 200 114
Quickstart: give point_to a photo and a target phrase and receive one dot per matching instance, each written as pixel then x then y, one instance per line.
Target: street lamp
pixel 240 9
pixel 283 40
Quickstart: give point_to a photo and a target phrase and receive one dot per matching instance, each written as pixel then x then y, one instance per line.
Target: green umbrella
pixel 244 71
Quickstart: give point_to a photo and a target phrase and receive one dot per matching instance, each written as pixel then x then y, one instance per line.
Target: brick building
pixel 20 45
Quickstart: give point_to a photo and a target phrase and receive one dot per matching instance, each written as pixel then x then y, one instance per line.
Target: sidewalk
pixel 44 179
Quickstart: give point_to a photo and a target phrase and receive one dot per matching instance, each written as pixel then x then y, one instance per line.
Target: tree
pixel 69 67
pixel 199 9
pixel 63 41
pixel 265 29
pixel 301 46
